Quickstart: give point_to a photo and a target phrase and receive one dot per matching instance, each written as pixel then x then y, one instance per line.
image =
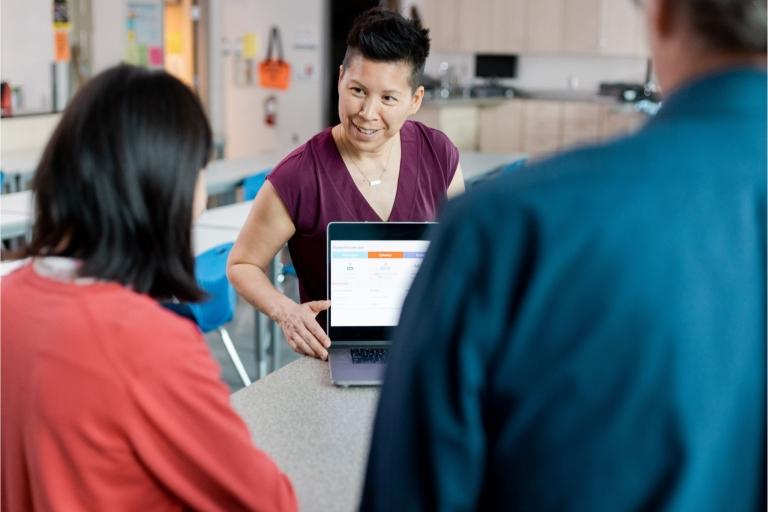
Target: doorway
pixel 185 26
pixel 343 13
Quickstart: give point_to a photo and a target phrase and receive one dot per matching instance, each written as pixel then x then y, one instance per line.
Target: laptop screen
pixel 369 279
pixel 370 268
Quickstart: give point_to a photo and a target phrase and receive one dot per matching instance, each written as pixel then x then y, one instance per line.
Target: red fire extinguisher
pixel 270 110
pixel 5 101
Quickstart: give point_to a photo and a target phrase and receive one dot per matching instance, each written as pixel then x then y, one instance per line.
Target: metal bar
pixel 233 355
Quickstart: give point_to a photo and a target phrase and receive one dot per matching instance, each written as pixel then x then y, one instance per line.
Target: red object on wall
pixel 5 99
pixel 270 110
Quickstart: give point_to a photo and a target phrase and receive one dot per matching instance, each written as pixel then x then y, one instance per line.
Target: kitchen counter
pixel 567 96
pixel 532 94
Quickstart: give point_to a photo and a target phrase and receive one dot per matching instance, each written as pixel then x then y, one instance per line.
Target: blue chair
pixel 512 166
pixel 252 184
pixel 499 171
pixel 218 308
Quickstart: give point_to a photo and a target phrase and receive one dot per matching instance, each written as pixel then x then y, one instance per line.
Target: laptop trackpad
pixel 358 366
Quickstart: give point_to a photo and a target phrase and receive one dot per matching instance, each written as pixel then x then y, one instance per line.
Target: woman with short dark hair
pixel 110 401
pixel 375 165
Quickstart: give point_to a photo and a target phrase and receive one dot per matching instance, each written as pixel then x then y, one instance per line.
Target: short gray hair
pixel 729 25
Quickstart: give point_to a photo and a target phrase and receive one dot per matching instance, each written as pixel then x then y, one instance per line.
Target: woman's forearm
pixel 253 285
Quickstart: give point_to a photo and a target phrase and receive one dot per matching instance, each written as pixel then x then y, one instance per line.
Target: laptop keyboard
pixel 369 355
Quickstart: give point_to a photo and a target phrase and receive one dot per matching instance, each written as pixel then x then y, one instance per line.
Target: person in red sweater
pixel 110 401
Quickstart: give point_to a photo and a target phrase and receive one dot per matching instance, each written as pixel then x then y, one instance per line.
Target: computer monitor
pixel 495 66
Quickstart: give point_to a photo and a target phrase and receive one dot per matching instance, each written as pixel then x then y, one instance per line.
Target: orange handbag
pixel 274 73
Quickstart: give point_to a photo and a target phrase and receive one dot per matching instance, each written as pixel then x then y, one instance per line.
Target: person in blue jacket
pixel 590 333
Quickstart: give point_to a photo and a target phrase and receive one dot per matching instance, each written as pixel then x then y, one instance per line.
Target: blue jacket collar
pixel 731 91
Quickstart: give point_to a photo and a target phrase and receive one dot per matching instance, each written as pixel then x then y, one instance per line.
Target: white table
pixel 226 175
pixel 318 434
pixel 221 175
pixel 204 238
pixel 475 164
pixel 231 216
pixel 19 165
pixel 16 214
pixel 17 202
pixel 20 161
pixel 14 224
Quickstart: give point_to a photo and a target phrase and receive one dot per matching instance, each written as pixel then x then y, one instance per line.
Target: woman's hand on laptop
pixel 301 330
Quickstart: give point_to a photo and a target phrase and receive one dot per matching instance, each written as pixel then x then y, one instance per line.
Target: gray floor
pixel 241 330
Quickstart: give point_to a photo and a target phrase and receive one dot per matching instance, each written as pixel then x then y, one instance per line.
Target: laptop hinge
pixel 359 343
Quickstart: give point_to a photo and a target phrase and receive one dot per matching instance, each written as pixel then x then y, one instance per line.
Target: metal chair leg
pixel 233 355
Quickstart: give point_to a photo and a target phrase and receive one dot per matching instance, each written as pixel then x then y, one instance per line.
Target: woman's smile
pixel 365 133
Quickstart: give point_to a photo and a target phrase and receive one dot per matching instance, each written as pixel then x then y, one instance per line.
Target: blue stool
pixel 512 166
pixel 252 184
pixel 499 171
pixel 218 307
pixel 285 270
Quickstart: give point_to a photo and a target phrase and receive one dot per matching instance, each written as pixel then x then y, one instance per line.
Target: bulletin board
pixel 144 33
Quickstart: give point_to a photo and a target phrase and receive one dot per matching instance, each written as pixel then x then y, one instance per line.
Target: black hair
pixel 382 35
pixel 729 25
pixel 115 185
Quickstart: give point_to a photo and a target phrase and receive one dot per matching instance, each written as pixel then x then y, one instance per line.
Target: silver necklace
pixel 371 182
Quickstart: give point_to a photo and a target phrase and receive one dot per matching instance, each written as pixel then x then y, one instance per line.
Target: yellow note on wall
pixel 173 44
pixel 250 45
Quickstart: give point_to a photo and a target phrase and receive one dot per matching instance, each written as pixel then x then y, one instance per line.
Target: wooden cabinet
pixel 581 26
pixel 487 26
pixel 533 127
pixel 541 126
pixel 580 124
pixel 442 19
pixel 603 27
pixel 538 128
pixel 501 128
pixel 616 122
pixel 476 30
pixel 508 26
pixel 458 122
pixel 544 26
pixel 547 27
pixel 622 29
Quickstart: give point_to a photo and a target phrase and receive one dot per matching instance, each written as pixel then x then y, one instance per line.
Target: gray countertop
pixel 533 94
pixel 317 433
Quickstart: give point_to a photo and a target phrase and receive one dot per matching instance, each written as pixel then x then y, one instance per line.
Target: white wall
pixel 237 110
pixel 550 72
pixel 26 50
pixel 109 26
pixel 26 44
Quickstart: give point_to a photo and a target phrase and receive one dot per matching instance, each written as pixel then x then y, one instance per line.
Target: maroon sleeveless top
pixel 316 188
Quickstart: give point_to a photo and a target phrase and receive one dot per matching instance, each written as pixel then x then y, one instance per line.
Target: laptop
pixel 370 267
